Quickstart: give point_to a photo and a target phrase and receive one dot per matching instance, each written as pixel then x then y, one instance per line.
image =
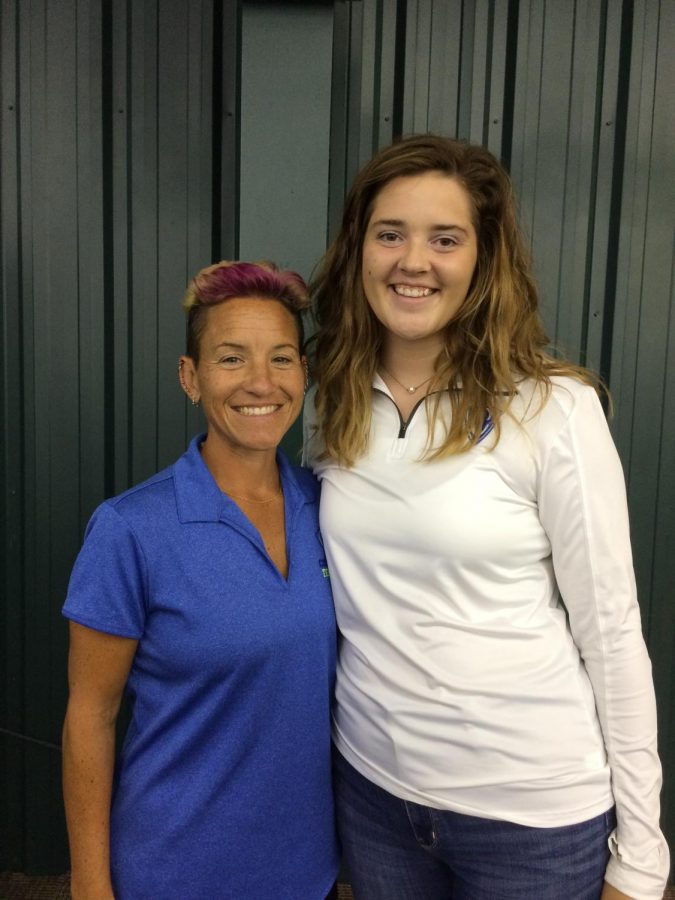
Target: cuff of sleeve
pixel 645 879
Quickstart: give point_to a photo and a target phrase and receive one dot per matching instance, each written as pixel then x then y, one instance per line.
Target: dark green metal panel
pixel 285 131
pixel 455 68
pixel 12 618
pixel 367 83
pixel 643 359
pixel 556 159
pixel 56 159
pixel 162 199
pixel 285 138
pixel 107 208
pixel 226 146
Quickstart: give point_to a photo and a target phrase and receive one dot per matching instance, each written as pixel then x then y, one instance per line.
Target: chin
pixel 416 335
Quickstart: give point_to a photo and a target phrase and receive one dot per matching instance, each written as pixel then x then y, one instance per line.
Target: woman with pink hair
pixel 204 593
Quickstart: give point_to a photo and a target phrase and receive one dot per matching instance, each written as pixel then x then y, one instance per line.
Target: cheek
pixel 462 274
pixel 369 278
pixel 369 264
pixel 296 387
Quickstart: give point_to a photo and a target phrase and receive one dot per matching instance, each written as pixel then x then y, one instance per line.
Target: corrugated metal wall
pixel 142 140
pixel 108 203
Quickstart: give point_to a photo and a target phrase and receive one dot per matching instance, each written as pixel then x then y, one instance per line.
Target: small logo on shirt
pixel 488 426
pixel 324 568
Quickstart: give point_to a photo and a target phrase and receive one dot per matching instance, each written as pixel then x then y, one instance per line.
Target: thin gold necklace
pixel 410 389
pixel 278 494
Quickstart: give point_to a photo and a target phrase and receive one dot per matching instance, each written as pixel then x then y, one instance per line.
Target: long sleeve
pixel 582 504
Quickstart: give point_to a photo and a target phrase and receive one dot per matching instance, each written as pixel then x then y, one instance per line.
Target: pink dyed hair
pixel 226 280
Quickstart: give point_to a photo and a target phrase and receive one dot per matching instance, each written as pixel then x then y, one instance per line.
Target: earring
pixel 181 378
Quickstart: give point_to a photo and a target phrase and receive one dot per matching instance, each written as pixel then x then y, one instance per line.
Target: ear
pixel 189 380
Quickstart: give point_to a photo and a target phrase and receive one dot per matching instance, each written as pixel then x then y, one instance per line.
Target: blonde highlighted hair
pixel 495 339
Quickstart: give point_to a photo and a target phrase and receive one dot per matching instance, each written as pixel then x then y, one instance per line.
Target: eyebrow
pixel 233 346
pixel 399 223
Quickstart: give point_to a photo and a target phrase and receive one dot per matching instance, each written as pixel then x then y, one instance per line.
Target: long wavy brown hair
pixel 495 340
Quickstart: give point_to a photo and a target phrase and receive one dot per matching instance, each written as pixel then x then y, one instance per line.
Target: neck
pixel 254 474
pixel 410 361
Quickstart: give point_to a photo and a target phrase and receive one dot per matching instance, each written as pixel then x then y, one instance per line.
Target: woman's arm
pixel 98 667
pixel 582 504
pixel 612 893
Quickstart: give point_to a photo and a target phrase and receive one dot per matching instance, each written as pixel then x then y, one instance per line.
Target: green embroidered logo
pixel 324 568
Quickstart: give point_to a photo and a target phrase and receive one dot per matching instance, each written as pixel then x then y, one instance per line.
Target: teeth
pixel 257 410
pixel 406 290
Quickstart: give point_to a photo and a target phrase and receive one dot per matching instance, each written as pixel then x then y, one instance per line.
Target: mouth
pixel 258 410
pixel 413 291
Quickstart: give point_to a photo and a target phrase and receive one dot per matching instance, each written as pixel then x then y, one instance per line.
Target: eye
pixel 230 360
pixel 388 237
pixel 282 360
pixel 445 242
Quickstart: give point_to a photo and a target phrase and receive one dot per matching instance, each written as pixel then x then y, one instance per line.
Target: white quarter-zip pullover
pixel 492 661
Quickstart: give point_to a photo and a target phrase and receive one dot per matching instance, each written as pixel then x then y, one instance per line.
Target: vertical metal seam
pixel 659 452
pixel 108 248
pixel 510 82
pixel 567 153
pixel 18 507
pixel 430 72
pixel 489 51
pixel 593 187
pixel 460 70
pixel 399 68
pixel 377 76
pixel 616 199
pixel 218 114
pixel 129 239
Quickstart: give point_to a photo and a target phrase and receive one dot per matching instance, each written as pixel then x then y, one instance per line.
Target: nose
pixel 260 378
pixel 414 258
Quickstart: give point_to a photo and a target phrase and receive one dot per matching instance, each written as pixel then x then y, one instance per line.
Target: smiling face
pixel 250 376
pixel 419 255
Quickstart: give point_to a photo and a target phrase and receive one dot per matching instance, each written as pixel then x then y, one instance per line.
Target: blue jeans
pixel 398 850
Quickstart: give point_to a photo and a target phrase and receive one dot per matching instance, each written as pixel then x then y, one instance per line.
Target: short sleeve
pixel 107 589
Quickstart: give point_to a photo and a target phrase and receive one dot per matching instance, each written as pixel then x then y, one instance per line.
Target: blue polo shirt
pixel 222 788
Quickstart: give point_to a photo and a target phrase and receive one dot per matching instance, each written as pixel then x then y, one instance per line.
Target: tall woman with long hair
pixel 495 719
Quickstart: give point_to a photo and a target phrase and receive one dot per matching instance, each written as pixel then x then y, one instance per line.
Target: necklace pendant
pixel 412 388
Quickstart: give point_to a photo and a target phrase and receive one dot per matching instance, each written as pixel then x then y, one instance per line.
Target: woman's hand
pixel 612 893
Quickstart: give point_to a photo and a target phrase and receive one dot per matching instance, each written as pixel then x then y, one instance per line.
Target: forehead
pixel 435 195
pixel 250 319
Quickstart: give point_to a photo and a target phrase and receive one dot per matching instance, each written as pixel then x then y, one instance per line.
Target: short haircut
pixel 227 279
